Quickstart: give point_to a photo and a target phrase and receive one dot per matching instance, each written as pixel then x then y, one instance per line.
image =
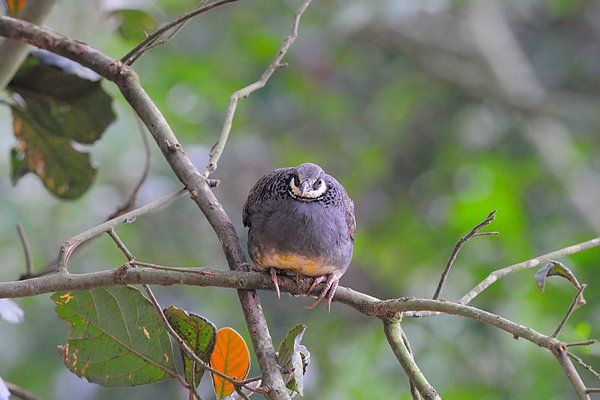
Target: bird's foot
pixel 252 267
pixel 331 283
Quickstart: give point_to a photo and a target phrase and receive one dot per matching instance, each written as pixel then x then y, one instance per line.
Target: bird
pixel 301 219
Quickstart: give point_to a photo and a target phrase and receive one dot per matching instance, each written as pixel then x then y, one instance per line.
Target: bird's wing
pixel 258 192
pixel 349 213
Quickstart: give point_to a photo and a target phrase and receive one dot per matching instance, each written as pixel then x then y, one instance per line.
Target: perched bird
pixel 301 219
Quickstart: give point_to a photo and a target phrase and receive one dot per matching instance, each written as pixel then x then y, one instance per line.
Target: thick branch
pixel 560 353
pixel 393 333
pixel 186 172
pixel 254 280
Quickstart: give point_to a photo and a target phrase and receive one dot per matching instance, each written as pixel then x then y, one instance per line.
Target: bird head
pixel 307 183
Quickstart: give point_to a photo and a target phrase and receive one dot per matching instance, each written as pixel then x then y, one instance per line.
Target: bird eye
pixel 318 184
pixel 296 181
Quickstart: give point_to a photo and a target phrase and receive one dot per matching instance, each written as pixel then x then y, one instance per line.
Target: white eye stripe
pixel 309 194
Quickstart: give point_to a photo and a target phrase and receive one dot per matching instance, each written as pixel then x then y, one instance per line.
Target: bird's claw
pixel 273 272
pixel 331 283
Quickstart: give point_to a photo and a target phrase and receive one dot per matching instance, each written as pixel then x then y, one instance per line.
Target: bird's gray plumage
pixel 313 236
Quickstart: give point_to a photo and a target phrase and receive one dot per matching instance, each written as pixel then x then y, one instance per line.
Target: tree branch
pixel 148 42
pixel 473 233
pixel 576 303
pixel 254 280
pixel 26 250
pixel 217 149
pixel 560 352
pixel 21 393
pixel 71 244
pixel 198 186
pixel 532 263
pixel 394 334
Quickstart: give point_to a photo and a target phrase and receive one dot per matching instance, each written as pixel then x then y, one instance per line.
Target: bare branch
pixel 166 268
pixel 217 149
pixel 21 393
pixel 121 245
pixel 582 343
pixel 396 339
pixel 71 244
pixel 148 42
pixel 560 353
pixel 576 303
pixel 26 249
pixel 198 186
pixel 584 365
pixel 532 263
pixel 473 233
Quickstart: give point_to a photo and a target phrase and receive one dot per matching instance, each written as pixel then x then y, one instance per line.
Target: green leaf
pixel 294 357
pixel 116 337
pixel 198 333
pixel 66 172
pixel 556 268
pixel 18 165
pixel 57 102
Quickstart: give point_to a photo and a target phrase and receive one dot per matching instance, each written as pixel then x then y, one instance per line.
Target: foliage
pixel 423 157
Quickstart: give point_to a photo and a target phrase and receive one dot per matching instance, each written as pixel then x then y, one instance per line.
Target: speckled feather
pixel 313 237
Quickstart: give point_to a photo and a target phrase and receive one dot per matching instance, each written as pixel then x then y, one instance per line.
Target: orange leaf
pixel 14 6
pixel 231 357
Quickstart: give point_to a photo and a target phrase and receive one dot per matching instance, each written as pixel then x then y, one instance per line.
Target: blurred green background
pixel 395 99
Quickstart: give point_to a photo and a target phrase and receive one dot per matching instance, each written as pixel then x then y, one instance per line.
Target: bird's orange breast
pixel 296 262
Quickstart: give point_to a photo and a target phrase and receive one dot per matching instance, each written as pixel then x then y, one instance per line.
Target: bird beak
pixel 304 187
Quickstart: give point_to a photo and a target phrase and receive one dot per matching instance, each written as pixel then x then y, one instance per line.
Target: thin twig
pixel 584 364
pixel 473 233
pixel 592 390
pixel 131 199
pixel 165 268
pixel 74 242
pixel 532 263
pixel 217 149
pixel 396 339
pixel 156 42
pixel 574 305
pixel 21 393
pixel 26 249
pixel 134 53
pixel 582 343
pixel 121 245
